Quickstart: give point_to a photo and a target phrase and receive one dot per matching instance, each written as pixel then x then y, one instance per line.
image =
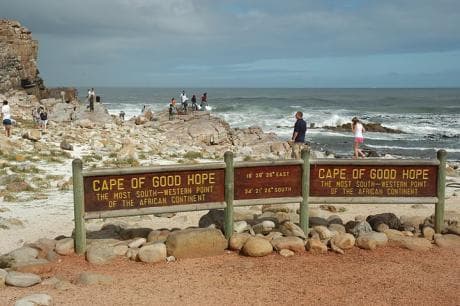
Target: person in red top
pixel 204 100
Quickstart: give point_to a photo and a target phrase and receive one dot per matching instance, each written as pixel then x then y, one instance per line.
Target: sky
pixel 244 43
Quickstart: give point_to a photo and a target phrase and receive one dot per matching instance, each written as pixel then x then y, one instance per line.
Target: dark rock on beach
pixel 389 219
pixel 370 127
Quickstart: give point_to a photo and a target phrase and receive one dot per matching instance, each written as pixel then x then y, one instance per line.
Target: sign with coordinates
pixel 131 191
pixel 373 181
pixel 268 182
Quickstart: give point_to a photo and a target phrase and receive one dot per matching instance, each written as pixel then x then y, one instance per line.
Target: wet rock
pixel 214 218
pixel 389 219
pixel 357 227
pixel 153 253
pixel 316 246
pixel 290 229
pixel 292 243
pixel 334 219
pixel 238 240
pixel 257 247
pixel 19 279
pixel 316 221
pixel 35 299
pixel 196 243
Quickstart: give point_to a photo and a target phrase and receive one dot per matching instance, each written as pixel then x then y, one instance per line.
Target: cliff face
pixel 18 58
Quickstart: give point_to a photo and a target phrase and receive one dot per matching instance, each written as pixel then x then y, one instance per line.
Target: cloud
pixel 141 36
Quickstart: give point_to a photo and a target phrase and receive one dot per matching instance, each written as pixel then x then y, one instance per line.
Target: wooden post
pixel 79 211
pixel 229 194
pixel 439 208
pixel 305 190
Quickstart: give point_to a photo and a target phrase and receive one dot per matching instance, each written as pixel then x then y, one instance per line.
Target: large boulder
pixel 238 240
pixel 257 247
pixel 291 229
pixel 389 219
pixel 356 228
pixel 197 242
pixel 370 241
pixel 100 253
pixel 447 241
pixel 292 243
pixel 343 241
pixel 19 279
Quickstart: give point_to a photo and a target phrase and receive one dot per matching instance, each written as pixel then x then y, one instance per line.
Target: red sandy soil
pixel 387 276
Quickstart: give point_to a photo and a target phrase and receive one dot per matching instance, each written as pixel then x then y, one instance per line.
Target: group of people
pixel 40 117
pixel 173 109
pixel 300 129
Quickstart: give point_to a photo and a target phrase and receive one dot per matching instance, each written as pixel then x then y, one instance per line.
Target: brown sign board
pixel 373 181
pixel 268 182
pixel 132 191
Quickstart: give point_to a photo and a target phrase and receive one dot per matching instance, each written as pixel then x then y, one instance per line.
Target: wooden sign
pixel 373 181
pixel 114 192
pixel 268 182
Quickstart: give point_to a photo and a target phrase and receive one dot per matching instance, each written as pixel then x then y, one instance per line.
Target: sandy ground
pixel 387 276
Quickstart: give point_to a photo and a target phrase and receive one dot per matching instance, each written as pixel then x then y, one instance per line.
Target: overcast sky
pixel 247 43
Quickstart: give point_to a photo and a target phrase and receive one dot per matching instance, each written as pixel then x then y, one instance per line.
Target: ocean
pixel 429 118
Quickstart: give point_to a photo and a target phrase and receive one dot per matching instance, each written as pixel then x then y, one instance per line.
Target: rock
pixel 140 120
pixel 323 232
pixel 334 219
pixel 65 246
pixel 35 299
pixel 357 227
pixel 237 241
pixel 137 243
pixel 454 229
pixel 153 252
pixel 316 246
pixel 35 266
pixel 240 226
pixel 366 242
pixel 23 254
pixel 165 215
pixel 86 124
pixel 132 254
pixel 290 229
pixel 315 221
pixel 214 218
pixel 428 233
pixel 3 275
pixel 276 208
pixel 257 247
pixel 286 253
pixel 380 239
pixel 343 241
pixel 131 233
pixel 381 228
pixel 34 135
pixel 100 254
pixel 389 219
pixel 120 249
pixel 393 234
pixel 412 243
pixel 413 221
pixel 339 228
pixel 158 236
pixel 19 279
pixel 447 241
pixel 292 243
pixel 64 145
pixel 196 243
pixel 264 227
pixel 89 278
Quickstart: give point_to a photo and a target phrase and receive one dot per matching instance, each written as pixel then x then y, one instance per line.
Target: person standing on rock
pixel 298 136
pixel 172 109
pixel 43 119
pixel 91 97
pixel 194 105
pixel 6 118
pixel 184 100
pixel 204 101
pixel 358 129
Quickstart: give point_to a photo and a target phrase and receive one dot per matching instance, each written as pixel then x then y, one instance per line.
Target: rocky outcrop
pixel 18 58
pixel 370 127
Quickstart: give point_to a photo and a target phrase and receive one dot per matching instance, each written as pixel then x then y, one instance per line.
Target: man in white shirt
pixel 184 99
pixel 6 118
